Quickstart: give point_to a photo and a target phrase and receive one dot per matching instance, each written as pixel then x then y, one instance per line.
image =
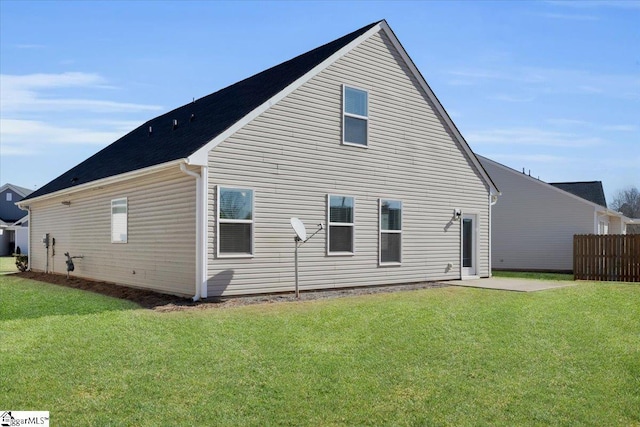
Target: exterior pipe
pixel 199 231
pixel 29 243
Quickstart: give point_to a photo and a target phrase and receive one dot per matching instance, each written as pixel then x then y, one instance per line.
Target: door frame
pixel 474 271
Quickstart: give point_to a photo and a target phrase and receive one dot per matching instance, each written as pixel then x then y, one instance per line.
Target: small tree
pixel 627 201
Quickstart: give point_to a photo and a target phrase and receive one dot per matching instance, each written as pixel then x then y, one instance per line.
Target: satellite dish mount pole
pixel 297 239
pixel 300 239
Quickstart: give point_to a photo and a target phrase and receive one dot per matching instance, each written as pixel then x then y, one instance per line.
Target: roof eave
pixel 24 204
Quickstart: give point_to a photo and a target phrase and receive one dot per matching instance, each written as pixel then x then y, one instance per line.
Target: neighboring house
pixel 198 201
pixel 533 224
pixel 13 220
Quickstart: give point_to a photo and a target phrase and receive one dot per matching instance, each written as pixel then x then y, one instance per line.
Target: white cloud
pixel 511 98
pixel 621 128
pixel 591 4
pixel 34 113
pixel 553 80
pixel 26 136
pixel 29 93
pixel 570 17
pixel 532 137
pixel 527 158
pixel 29 46
pixel 594 126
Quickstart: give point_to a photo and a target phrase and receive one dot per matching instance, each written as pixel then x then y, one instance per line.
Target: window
pixel 390 232
pixel 9 196
pixel 355 120
pixel 235 222
pixel 340 236
pixel 119 221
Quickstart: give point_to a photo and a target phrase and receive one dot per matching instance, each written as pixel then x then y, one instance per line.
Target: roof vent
pixel 192 118
pixel 175 124
pixel 74 179
pixel 150 130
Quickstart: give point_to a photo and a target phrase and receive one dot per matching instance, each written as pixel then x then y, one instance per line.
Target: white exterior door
pixel 469 245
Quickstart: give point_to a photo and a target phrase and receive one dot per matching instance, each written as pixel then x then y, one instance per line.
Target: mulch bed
pixel 162 302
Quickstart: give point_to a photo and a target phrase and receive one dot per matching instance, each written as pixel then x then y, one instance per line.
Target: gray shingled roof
pixel 591 190
pixel 198 122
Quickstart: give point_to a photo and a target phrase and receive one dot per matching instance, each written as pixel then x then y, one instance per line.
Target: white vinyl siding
pixel 341 230
pixel 355 119
pixel 533 223
pixel 119 221
pixel 390 232
pixel 160 253
pixel 292 156
pixel 235 222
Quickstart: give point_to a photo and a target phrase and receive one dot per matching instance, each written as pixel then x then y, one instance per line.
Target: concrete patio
pixel 512 284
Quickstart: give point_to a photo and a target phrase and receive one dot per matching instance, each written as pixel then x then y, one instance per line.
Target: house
pixel 13 220
pixel 532 227
pixel 198 201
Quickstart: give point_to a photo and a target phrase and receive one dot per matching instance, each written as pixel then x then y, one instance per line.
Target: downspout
pixel 30 246
pixel 493 199
pixel 199 248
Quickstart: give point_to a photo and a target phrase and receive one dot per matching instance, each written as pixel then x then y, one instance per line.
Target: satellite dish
pixel 298 227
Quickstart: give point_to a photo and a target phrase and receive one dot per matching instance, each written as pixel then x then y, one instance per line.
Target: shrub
pixel 22 262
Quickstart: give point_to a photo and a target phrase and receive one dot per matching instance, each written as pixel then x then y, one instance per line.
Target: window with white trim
pixel 340 234
pixel 355 117
pixel 9 196
pixel 235 221
pixel 119 220
pixel 390 232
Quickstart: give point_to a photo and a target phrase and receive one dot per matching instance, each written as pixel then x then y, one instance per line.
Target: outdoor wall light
pixel 457 213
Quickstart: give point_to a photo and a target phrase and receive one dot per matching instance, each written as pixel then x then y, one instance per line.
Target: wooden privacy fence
pixel 607 257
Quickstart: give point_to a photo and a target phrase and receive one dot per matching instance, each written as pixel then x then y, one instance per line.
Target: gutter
pixel 24 203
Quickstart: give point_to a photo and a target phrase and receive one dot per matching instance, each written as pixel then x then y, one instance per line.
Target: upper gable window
pixel 355 120
pixel 9 196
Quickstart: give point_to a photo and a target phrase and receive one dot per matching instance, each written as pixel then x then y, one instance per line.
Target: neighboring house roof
pixel 600 208
pixel 17 189
pixel 591 190
pixel 190 131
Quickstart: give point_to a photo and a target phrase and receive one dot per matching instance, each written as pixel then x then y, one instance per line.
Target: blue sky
pixel 550 86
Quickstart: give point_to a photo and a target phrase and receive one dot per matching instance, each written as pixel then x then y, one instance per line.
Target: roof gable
pixel 189 132
pixel 181 132
pixel 591 191
pixel 22 191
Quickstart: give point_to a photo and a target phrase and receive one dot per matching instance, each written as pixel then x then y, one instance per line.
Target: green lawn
pixel 449 356
pixel 533 275
pixel 7 265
